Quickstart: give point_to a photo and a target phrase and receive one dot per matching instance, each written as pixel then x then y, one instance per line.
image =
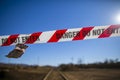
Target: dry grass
pixel 94 74
pixel 38 73
pixel 23 74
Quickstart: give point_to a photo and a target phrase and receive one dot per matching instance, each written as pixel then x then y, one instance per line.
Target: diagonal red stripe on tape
pixel 83 32
pixel 57 35
pixel 10 40
pixel 33 37
pixel 109 31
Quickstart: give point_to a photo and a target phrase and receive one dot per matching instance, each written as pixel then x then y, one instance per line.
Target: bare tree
pixel 80 61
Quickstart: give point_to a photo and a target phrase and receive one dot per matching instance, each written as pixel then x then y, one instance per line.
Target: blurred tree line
pixel 107 64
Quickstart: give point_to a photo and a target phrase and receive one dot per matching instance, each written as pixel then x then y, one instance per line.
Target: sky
pixel 29 16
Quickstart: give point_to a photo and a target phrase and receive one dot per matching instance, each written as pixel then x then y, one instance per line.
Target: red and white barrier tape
pixel 90 32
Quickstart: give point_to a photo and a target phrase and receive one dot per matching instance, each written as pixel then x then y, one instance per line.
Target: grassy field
pixel 23 73
pixel 93 74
